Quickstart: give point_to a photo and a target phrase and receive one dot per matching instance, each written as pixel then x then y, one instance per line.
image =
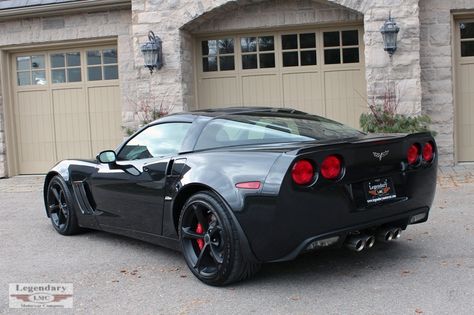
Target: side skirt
pixel 170 243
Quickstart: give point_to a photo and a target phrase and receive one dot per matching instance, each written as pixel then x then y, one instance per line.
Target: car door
pixel 129 194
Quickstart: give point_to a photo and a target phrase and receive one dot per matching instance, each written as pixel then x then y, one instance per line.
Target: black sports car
pixel 233 188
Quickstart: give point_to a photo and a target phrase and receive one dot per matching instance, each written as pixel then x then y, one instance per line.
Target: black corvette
pixel 237 187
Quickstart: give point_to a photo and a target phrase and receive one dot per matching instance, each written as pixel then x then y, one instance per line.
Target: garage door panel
pixel 303 91
pixel 219 92
pixel 261 90
pixel 35 139
pixel 105 118
pixel 71 121
pixel 344 91
pixel 303 73
pixel 464 93
pixel 66 105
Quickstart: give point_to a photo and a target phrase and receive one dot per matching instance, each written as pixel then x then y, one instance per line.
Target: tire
pixel 60 207
pixel 210 241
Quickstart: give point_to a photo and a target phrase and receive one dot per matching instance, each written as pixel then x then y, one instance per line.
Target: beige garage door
pixel 465 91
pixel 66 105
pixel 320 71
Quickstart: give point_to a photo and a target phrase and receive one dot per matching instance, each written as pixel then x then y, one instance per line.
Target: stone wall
pixel 437 70
pixel 176 21
pixel 86 26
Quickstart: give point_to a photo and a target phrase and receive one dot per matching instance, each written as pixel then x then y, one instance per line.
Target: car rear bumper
pixel 280 227
pixel 398 221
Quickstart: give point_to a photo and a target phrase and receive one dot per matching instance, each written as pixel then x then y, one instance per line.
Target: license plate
pixel 379 190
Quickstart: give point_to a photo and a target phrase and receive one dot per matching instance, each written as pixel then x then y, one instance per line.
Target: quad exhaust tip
pixel 387 235
pixel 358 243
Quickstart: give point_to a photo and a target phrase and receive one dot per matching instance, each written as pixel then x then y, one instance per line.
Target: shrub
pixel 384 118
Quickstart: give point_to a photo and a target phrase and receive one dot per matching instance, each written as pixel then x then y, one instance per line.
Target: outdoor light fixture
pixel 389 33
pixel 151 51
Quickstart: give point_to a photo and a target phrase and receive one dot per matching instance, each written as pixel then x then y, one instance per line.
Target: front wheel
pixel 60 207
pixel 210 242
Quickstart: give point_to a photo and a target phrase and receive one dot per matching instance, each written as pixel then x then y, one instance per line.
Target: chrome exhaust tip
pixel 397 233
pixel 385 235
pixel 356 243
pixel 370 241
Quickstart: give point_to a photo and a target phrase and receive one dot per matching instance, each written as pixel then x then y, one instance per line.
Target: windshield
pixel 266 128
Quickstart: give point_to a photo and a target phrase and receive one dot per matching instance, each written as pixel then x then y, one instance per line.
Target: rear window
pixel 234 130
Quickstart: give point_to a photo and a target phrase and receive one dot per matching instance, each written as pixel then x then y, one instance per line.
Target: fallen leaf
pixel 295 298
pixel 183 276
pixel 418 311
pixel 406 272
pixel 123 271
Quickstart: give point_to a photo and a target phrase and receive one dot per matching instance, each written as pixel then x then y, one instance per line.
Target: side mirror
pixel 107 157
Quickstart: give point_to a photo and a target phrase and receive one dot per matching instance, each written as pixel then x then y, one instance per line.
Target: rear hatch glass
pixel 266 128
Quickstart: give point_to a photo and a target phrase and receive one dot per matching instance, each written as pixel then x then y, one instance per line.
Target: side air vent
pixel 81 197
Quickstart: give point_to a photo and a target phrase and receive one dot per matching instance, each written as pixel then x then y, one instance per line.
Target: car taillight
pixel 428 152
pixel 302 172
pixel 331 167
pixel 413 154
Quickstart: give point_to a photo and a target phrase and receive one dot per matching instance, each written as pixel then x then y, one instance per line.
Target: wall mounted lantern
pixel 389 32
pixel 151 51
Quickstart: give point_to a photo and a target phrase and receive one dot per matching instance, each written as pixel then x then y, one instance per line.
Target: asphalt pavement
pixel 430 270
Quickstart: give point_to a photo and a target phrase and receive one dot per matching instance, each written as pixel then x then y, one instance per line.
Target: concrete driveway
pixel 430 270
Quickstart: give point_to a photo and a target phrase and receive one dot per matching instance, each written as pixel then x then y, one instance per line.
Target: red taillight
pixel 302 172
pixel 331 167
pixel 413 154
pixel 428 152
pixel 248 185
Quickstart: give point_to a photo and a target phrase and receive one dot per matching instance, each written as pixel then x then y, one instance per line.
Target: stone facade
pixel 177 21
pixel 437 64
pixel 421 68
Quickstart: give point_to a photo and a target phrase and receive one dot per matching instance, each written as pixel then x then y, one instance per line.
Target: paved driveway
pixel 429 271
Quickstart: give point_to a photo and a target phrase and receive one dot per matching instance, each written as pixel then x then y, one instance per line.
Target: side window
pixel 155 141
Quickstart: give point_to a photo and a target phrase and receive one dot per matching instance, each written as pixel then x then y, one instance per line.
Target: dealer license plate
pixel 379 190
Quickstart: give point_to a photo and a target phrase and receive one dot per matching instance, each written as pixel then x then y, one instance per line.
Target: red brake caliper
pixel 200 241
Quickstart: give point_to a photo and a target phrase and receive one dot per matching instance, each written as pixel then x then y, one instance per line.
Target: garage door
pixel 66 105
pixel 320 71
pixel 465 91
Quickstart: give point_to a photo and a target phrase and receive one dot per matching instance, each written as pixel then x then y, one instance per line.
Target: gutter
pixel 63 8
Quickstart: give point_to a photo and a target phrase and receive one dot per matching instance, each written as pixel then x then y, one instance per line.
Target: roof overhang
pixel 63 8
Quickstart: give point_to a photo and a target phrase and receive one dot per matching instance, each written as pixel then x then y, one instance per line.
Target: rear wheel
pixel 210 242
pixel 60 207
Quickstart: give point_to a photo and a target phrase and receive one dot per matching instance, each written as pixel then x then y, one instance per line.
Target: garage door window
pixel 66 67
pixel 341 47
pixel 299 49
pixel 258 52
pixel 102 64
pixel 218 55
pixel 30 70
pixel 467 39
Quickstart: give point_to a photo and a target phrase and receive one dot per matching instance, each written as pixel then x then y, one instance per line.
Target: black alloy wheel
pixel 60 207
pixel 210 243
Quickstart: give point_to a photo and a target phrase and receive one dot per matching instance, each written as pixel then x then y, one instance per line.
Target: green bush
pixel 384 118
pixel 379 121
